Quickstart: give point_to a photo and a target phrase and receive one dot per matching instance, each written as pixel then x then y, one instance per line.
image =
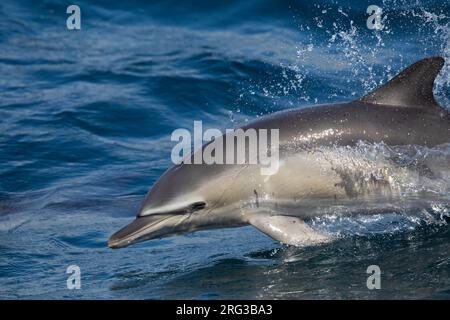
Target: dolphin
pixel 319 171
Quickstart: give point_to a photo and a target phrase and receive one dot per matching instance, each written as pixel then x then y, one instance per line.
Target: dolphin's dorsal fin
pixel 413 87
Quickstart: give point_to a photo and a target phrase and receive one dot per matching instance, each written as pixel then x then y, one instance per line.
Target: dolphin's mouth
pixel 141 229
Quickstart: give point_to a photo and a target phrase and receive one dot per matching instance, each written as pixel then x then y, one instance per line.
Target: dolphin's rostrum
pixel 310 180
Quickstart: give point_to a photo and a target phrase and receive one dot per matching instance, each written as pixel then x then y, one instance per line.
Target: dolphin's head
pixel 186 198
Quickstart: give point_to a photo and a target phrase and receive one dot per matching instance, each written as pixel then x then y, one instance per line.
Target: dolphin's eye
pixel 197 206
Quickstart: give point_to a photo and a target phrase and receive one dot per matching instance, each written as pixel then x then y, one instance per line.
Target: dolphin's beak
pixel 141 229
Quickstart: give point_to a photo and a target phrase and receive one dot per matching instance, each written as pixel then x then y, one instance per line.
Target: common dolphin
pixel 317 173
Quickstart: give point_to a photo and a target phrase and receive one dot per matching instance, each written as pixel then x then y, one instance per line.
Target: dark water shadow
pixel 413 265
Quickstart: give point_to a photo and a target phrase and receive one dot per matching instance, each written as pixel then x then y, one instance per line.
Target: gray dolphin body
pixel 323 168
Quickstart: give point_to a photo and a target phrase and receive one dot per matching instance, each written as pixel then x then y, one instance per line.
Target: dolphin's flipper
pixel 413 87
pixel 286 229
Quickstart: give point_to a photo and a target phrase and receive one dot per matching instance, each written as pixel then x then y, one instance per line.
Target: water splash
pixel 411 174
pixel 363 58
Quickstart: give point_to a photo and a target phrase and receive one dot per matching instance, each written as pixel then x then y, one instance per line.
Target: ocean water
pixel 85 123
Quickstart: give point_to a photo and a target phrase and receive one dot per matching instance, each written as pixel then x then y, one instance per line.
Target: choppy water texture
pixel 86 117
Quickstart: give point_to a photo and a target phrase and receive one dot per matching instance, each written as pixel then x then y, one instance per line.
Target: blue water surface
pixel 85 123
